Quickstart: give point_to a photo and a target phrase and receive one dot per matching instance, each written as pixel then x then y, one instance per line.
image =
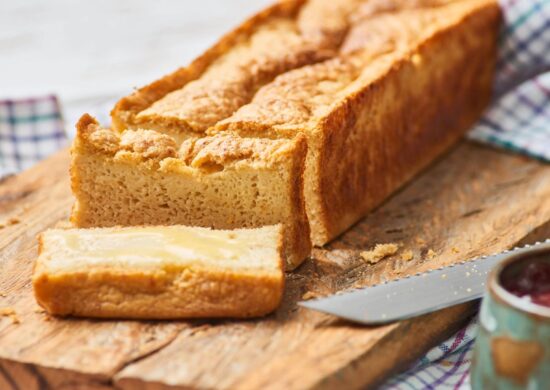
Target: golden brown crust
pixel 125 111
pixel 284 37
pixel 232 80
pixel 326 21
pixel 226 148
pixel 158 295
pixel 148 143
pixel 297 98
pixel 90 132
pixel 300 228
pixel 425 103
pixel 222 149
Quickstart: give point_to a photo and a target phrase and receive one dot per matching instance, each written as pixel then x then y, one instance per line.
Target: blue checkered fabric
pixel 30 130
pixel 524 47
pixel 519 118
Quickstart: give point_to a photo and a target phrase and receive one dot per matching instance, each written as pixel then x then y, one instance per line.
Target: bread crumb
pixel 6 311
pixel 420 241
pixel 431 254
pixel 46 316
pixel 9 312
pixel 407 255
pixel 63 224
pixel 309 295
pixel 9 222
pixel 379 252
pixel 454 249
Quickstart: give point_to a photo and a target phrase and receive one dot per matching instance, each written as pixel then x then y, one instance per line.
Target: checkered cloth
pixel 30 130
pixel 446 366
pixel 518 120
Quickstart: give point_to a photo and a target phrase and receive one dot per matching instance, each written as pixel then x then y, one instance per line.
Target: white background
pixel 92 52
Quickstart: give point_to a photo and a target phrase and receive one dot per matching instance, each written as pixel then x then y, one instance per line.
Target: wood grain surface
pixel 474 201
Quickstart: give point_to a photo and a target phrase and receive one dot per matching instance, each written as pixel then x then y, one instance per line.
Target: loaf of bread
pixel 378 88
pixel 160 272
pixel 408 83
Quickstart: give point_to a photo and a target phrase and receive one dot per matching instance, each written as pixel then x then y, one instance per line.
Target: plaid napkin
pixel 30 130
pixel 446 366
pixel 518 120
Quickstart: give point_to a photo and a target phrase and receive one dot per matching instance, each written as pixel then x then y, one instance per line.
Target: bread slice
pixel 404 81
pixel 160 272
pixel 142 177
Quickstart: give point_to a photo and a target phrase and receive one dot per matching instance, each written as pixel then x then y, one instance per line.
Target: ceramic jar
pixel 512 349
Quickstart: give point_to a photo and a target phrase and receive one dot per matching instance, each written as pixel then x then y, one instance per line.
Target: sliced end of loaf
pixel 142 177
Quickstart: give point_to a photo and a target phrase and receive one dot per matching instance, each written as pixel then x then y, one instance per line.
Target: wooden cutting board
pixel 473 201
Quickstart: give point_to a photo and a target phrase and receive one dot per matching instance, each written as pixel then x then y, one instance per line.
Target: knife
pixel 417 294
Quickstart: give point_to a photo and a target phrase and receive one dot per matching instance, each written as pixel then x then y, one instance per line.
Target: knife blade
pixel 417 294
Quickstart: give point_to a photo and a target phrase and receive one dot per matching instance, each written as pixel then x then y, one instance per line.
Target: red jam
pixel 529 278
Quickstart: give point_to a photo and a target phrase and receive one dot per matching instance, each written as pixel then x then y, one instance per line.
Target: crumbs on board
pixel 10 312
pixel 309 295
pixel 379 252
pixel 9 222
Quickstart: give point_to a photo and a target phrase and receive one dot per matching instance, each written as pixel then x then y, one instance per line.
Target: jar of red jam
pixel 512 348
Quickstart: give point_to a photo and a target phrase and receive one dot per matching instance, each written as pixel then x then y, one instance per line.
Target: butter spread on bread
pixel 160 272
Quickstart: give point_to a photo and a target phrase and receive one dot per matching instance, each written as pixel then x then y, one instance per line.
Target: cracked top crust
pixel 232 81
pixel 224 148
pixel 295 97
pixel 298 99
pixel 148 143
pixel 221 150
pixel 289 68
pixel 272 45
